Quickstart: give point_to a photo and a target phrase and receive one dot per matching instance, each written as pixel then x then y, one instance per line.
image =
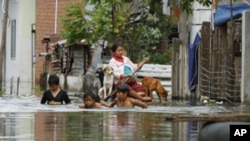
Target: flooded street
pixel 25 119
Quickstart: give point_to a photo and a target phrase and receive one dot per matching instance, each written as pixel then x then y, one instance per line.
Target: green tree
pixel 75 26
pixel 104 21
pixel 137 25
pixel 134 24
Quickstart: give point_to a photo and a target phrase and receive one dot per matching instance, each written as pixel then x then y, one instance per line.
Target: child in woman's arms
pixel 122 99
pixel 92 100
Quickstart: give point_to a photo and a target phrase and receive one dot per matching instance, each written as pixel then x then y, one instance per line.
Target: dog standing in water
pixel 108 81
pixel 151 84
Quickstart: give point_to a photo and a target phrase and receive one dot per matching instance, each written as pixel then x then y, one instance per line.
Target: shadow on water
pixel 24 119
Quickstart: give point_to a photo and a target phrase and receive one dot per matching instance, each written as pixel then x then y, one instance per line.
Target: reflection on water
pixel 25 119
pixel 87 125
pixel 16 126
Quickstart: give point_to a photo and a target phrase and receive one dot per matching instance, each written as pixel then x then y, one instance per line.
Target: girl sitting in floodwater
pixel 122 99
pixel 92 100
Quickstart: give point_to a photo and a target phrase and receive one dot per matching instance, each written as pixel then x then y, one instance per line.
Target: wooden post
pixel 175 69
pixel 17 91
pixel 11 85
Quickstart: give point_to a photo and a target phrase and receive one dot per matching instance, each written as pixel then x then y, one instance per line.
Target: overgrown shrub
pixel 156 57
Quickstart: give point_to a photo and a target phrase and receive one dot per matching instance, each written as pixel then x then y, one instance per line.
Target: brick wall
pixel 45 26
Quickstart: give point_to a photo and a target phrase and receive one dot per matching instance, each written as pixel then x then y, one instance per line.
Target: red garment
pixel 132 83
pixel 119 59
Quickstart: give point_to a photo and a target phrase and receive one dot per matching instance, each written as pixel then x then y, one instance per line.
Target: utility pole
pixel 3 43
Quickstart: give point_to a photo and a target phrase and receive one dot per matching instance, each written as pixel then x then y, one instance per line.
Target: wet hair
pixel 92 94
pixel 123 88
pixel 115 46
pixel 53 80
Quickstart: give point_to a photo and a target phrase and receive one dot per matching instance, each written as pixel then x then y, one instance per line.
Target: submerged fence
pixel 220 62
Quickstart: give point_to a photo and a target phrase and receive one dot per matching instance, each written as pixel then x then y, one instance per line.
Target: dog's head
pixel 164 94
pixel 108 70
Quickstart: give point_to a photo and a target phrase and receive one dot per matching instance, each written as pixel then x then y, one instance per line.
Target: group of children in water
pixel 55 95
pixel 123 68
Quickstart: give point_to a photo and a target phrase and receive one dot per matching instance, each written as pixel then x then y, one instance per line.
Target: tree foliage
pixel 138 25
pixel 75 27
pixel 104 21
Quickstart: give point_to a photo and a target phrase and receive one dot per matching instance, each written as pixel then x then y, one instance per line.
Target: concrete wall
pixel 200 14
pixel 19 65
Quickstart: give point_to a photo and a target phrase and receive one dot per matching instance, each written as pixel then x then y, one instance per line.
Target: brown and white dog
pixel 151 84
pixel 108 81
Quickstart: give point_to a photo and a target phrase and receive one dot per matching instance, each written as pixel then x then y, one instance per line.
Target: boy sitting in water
pixel 122 99
pixel 92 100
pixel 55 95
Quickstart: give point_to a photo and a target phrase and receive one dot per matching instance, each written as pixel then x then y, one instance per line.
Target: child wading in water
pixel 55 95
pixel 122 99
pixel 92 100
